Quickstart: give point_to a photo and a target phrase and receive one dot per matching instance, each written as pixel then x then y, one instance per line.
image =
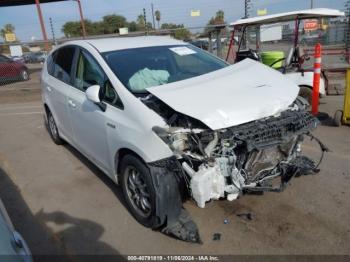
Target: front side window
pixel 63 64
pixel 141 68
pixel 88 72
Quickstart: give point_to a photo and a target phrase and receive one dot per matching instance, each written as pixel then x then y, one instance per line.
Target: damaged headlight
pixel 175 138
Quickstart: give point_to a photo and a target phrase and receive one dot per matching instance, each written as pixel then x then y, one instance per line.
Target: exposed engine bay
pixel 245 158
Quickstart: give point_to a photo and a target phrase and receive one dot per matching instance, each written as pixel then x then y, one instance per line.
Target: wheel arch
pixel 118 157
pixel 304 85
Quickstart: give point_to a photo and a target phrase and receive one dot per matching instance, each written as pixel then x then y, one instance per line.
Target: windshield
pixel 140 68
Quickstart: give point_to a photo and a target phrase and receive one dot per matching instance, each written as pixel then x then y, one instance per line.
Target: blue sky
pixel 26 22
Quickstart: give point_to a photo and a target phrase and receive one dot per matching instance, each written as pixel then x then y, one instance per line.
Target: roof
pixel 289 16
pixel 4 3
pixel 119 43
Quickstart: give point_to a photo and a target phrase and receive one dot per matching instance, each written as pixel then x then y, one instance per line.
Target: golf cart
pixel 292 64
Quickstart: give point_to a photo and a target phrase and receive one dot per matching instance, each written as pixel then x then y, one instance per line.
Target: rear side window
pixel 63 60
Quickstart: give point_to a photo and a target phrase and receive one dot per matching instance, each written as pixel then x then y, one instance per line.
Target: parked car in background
pixel 35 57
pixel 200 43
pixel 12 245
pixel 18 59
pixel 11 70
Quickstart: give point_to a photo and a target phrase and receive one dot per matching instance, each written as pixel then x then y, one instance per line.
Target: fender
pixel 306 79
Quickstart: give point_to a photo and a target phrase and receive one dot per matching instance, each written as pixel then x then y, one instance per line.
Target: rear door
pixel 58 85
pixel 88 120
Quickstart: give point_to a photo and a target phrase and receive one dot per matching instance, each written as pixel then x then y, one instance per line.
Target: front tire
pixel 53 130
pixel 138 190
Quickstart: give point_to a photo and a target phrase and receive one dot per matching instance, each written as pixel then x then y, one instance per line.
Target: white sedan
pixel 167 120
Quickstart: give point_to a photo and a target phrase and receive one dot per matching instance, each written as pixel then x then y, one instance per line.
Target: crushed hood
pixel 234 95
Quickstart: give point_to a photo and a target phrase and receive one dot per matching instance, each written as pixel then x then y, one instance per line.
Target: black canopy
pixel 4 3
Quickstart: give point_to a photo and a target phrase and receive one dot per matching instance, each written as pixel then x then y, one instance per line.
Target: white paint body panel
pixel 234 95
pixel 84 125
pixel 120 43
pixel 306 79
pixel 237 94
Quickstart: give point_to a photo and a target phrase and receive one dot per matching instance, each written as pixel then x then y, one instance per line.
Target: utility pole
pixel 246 8
pixel 154 24
pixel 145 19
pixel 82 21
pixel 312 4
pixel 43 30
pixel 246 15
pixel 52 32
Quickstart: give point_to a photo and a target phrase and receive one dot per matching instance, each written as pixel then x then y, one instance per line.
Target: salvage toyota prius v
pixel 168 121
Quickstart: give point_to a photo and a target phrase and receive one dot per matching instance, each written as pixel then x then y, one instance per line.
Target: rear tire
pixel 138 190
pixel 53 130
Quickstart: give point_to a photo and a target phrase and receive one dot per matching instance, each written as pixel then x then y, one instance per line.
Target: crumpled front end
pixel 261 155
pixel 249 157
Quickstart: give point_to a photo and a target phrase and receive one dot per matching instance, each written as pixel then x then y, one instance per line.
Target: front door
pixel 88 120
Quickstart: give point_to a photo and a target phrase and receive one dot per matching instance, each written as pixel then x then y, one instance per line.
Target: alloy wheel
pixel 137 192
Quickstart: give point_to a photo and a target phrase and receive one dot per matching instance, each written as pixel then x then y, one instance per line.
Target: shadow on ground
pixel 99 174
pixel 79 236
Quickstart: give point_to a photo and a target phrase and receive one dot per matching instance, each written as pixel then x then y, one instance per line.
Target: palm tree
pixel 8 28
pixel 219 17
pixel 157 14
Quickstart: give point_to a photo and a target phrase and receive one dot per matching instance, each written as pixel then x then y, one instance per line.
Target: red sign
pixel 311 25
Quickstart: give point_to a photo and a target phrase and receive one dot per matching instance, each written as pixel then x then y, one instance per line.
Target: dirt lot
pixel 62 204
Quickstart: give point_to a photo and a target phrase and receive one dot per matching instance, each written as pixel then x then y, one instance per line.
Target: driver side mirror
pixel 93 94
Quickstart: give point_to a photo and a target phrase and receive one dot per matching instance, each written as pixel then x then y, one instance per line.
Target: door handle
pixel 111 125
pixel 71 104
pixel 48 88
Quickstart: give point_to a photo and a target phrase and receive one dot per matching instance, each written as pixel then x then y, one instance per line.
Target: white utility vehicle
pixel 167 120
pixel 293 62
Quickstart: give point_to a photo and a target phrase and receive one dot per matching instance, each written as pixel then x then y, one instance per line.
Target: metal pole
pixel 218 43
pixel 296 32
pixel 52 32
pixel 246 15
pixel 42 25
pixel 231 45
pixel 145 20
pixel 81 18
pixel 210 44
pixel 246 8
pixel 154 24
pixel 312 4
pixel 257 40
